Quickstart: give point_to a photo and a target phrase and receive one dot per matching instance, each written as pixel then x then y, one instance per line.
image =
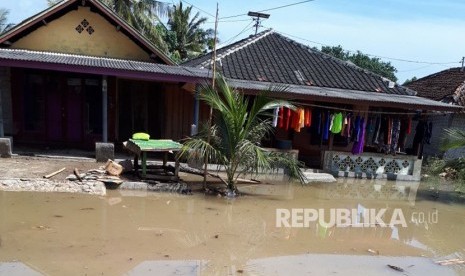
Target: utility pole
pixel 258 18
pixel 463 63
pixel 210 118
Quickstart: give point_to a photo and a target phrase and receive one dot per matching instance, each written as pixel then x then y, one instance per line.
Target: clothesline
pixel 372 111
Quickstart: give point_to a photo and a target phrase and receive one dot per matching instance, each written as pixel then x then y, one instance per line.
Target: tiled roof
pixel 93 64
pixel 272 57
pixel 446 86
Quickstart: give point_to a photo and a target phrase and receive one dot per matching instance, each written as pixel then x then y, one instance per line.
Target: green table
pixel 140 148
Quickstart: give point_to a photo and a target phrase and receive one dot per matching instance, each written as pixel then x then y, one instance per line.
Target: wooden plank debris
pixel 54 173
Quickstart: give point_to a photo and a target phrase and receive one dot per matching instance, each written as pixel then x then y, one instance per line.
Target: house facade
pixel 325 88
pixel 447 86
pixel 76 74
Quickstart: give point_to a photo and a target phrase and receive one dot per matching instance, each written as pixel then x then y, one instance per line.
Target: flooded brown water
pixel 137 233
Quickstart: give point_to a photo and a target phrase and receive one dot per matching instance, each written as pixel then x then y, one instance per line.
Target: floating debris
pixel 396 268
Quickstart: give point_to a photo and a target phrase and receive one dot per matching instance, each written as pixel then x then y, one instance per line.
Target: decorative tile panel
pixel 85 26
pixel 371 164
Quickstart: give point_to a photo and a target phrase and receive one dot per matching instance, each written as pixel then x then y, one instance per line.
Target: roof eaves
pixel 65 3
pixel 35 18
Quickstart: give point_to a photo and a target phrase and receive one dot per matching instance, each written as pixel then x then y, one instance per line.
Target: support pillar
pixel 2 133
pixel 104 109
pixel 195 126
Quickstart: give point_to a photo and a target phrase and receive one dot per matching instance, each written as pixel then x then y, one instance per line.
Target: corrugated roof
pixel 344 96
pixel 153 71
pixel 271 57
pixel 99 62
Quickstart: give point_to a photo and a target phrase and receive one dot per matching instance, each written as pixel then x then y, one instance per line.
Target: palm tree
pixel 455 138
pixel 143 15
pixel 4 26
pixel 235 138
pixel 190 39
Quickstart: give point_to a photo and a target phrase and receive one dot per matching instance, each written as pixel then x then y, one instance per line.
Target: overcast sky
pixel 414 30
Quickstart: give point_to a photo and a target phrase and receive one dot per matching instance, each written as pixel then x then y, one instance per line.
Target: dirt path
pixel 35 167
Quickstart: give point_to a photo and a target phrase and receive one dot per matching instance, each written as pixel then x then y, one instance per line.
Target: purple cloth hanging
pixel 357 148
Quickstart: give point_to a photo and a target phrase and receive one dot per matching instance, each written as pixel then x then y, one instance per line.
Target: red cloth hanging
pixel 295 120
pixel 287 118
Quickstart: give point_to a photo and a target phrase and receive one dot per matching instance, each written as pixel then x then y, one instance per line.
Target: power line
pixel 371 55
pixel 246 28
pixel 228 21
pixel 270 9
pixel 204 11
pixel 416 69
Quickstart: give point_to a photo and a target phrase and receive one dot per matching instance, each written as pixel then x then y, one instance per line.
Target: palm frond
pixel 454 138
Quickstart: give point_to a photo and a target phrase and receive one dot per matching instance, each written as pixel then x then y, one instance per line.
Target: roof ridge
pixel 439 73
pixel 346 63
pixel 237 46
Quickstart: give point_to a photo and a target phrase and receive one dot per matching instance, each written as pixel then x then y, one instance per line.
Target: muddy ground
pixel 28 167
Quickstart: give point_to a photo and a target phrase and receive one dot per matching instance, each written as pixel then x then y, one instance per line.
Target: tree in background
pixel 408 81
pixel 186 38
pixel 4 26
pixel 362 60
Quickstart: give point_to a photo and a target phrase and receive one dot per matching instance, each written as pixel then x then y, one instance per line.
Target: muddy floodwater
pixel 139 233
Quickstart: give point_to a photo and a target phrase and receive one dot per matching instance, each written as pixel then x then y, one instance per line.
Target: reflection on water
pixel 138 233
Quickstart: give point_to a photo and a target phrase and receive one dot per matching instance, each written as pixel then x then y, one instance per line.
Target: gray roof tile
pixel 269 56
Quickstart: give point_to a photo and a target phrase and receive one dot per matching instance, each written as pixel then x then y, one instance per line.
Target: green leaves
pixel 362 60
pixel 240 124
pixel 454 138
pixel 4 26
pixel 190 39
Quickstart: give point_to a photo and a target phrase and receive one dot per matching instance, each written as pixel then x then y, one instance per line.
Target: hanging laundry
pixel 308 117
pixel 389 139
pixel 287 118
pixel 301 118
pixel 395 135
pixel 349 125
pixel 375 139
pixel 281 117
pixel 297 119
pixel 370 130
pixel 326 125
pixel 344 125
pixel 409 128
pixel 357 148
pixel 422 135
pixel 383 132
pixel 275 117
pixel 404 124
pixel 337 123
pixel 331 121
pixel 356 129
